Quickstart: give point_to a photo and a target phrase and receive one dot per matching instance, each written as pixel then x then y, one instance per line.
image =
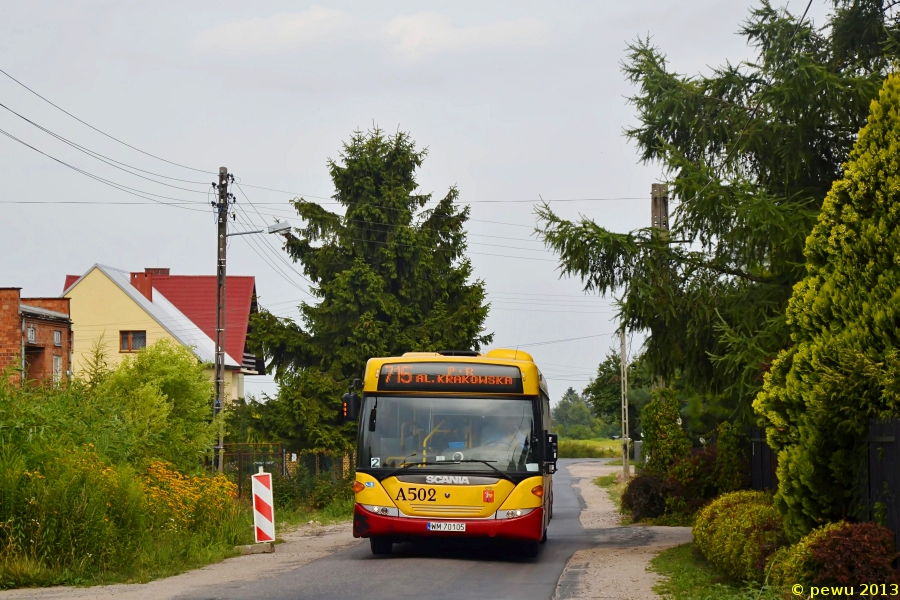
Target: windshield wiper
pixel 488 463
pixel 407 465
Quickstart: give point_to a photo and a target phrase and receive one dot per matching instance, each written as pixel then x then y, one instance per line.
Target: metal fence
pixel 881 484
pixel 243 460
pixel 763 461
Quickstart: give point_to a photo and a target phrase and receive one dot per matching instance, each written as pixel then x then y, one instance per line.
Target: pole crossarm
pixel 244 232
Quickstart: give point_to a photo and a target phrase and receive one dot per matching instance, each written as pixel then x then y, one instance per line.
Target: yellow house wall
pixel 99 308
pixel 234 383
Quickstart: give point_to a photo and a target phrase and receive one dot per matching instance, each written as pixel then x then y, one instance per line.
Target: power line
pixel 266 240
pixel 261 254
pixel 103 132
pixel 533 344
pixel 107 159
pixel 118 186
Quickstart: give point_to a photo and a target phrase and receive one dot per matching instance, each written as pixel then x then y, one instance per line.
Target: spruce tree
pixel 749 152
pixel 843 367
pixel 389 277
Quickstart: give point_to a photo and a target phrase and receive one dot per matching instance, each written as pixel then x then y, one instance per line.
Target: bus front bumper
pixel 368 524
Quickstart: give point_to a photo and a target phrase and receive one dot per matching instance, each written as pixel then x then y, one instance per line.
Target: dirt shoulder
pixel 616 568
pixel 300 547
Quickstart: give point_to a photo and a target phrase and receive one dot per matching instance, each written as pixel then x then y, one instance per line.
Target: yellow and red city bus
pixel 453 444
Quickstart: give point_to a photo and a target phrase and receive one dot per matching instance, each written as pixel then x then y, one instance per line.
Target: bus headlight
pixel 513 513
pixel 385 511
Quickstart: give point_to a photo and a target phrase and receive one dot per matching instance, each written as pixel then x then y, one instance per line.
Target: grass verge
pixel 289 519
pixel 690 577
pixel 615 489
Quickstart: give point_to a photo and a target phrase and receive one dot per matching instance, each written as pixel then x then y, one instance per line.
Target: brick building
pixel 35 337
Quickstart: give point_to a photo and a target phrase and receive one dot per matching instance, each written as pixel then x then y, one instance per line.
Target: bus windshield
pixel 397 431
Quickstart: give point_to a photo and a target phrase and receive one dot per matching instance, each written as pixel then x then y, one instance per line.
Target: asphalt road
pixel 430 571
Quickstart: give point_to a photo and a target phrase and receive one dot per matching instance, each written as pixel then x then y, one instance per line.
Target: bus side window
pixel 545 403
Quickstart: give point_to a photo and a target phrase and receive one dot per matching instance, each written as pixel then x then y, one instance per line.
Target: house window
pixel 57 369
pixel 57 338
pixel 32 336
pixel 132 341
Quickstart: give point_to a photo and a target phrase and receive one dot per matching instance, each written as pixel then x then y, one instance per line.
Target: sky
pixel 515 101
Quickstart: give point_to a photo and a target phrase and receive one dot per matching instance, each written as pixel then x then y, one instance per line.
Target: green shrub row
pixel 743 535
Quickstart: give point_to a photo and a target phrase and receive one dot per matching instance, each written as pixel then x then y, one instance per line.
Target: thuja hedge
pixel 843 367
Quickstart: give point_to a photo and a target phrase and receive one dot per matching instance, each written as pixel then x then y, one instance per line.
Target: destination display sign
pixel 450 377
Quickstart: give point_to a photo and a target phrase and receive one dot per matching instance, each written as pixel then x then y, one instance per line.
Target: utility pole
pixel 659 206
pixel 626 468
pixel 222 222
pixel 659 219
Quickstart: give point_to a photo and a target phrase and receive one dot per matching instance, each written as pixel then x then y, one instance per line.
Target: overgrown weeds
pixel 101 481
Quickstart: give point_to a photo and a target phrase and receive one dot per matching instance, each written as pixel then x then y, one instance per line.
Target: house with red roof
pixel 123 312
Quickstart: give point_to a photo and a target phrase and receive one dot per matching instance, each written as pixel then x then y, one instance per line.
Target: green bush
pixel 842 367
pixel 738 532
pixel 164 398
pixel 794 564
pixel 838 554
pixel 84 493
pixel 579 432
pixel 647 495
pixel 691 480
pixel 664 439
pixel 731 467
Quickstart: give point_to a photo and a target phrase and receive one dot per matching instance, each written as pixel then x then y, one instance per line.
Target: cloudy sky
pixel 514 101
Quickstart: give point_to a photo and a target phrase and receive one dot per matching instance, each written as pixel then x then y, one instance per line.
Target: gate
pixel 763 462
pixel 882 490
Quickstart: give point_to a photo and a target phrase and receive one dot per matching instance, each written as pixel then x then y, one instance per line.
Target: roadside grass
pixel 614 488
pixel 606 480
pixel 690 577
pixel 589 448
pixel 291 519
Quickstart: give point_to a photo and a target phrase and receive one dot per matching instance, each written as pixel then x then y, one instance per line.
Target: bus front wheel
pixel 380 546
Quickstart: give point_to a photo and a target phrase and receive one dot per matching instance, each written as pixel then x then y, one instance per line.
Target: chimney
pixel 143 282
pixel 156 271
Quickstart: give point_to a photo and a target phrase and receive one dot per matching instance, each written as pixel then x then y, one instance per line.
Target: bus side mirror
pixel 551 450
pixel 350 409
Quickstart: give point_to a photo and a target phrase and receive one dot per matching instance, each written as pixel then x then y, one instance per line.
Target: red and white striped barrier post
pixel 263 507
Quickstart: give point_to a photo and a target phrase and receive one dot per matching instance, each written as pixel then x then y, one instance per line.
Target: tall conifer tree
pixel 749 152
pixel 390 277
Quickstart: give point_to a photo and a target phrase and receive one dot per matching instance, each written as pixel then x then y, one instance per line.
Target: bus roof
pixel 532 379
